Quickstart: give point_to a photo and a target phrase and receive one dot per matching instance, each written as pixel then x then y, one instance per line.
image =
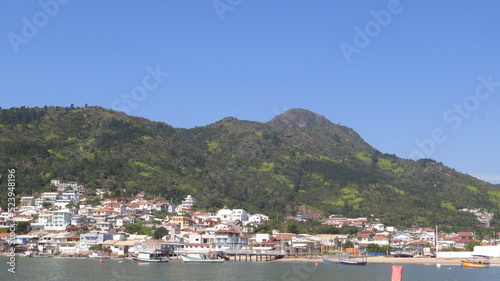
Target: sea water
pixel 65 269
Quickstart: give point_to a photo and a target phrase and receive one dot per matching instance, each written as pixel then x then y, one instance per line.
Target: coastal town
pixel 70 222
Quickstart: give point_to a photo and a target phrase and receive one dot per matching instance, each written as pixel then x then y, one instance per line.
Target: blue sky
pixel 413 78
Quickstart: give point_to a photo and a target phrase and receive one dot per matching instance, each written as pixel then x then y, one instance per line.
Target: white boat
pixel 403 254
pixel 202 258
pixel 150 257
pixel 98 256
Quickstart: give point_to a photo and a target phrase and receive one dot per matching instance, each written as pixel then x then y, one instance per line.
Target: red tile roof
pixel 226 231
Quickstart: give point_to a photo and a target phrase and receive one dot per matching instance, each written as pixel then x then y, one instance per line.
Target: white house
pixel 50 196
pixel 240 215
pixel 262 237
pixel 225 214
pixel 256 219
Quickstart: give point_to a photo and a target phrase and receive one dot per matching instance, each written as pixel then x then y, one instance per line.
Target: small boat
pixel 477 261
pixel 202 258
pixel 403 254
pixel 150 257
pixel 354 260
pixel 97 256
pixel 27 254
pixel 40 256
pixel 335 257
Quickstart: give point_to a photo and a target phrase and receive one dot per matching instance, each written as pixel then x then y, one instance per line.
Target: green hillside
pixel 297 159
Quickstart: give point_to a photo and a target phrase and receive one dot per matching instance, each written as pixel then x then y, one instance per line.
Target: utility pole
pixel 437 247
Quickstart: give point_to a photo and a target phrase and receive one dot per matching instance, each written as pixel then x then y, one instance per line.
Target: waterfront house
pixel 197 247
pixel 4 238
pixel 152 246
pixel 305 242
pixel 119 247
pixel 88 240
pixel 329 240
pixel 229 240
pixel 262 237
pixel 71 246
pixel 285 238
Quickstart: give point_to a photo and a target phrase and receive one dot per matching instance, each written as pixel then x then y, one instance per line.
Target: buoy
pixel 316 264
pixel 397 273
pixel 101 261
pixel 438 265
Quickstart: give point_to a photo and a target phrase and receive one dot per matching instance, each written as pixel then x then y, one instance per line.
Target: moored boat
pixel 335 257
pixel 150 257
pixel 354 260
pixel 202 258
pixel 477 261
pixel 97 256
pixel 403 254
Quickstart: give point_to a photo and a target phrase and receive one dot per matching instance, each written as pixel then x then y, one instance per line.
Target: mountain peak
pixel 298 118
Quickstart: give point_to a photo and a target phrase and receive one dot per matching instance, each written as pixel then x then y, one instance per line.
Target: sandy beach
pixel 393 260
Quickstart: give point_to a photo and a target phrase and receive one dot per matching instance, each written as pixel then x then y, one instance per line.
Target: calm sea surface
pixel 66 269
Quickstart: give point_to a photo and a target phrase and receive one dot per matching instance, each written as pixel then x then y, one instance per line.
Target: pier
pixel 247 255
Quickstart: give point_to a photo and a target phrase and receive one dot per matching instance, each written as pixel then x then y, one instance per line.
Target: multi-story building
pixel 55 220
pixel 229 240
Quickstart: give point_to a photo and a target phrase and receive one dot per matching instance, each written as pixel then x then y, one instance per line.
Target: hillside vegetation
pixel 297 161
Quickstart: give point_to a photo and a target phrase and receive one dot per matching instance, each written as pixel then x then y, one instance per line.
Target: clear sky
pixel 413 78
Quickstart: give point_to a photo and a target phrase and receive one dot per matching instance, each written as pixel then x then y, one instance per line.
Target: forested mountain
pixel 297 160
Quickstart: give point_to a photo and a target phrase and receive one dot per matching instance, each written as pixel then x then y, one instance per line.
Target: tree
pixel 348 244
pixel 161 214
pixel 23 227
pixel 471 245
pixel 97 248
pixel 160 232
pixel 46 205
pixel 375 248
pixel 350 230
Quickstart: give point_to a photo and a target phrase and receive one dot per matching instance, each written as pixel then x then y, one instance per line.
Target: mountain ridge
pixel 298 158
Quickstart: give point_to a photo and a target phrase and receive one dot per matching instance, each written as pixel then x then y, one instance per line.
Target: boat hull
pixel 150 260
pixel 350 262
pixel 200 259
pixel 149 257
pixel 475 264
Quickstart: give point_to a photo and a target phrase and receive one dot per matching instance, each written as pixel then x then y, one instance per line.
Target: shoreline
pixel 393 260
